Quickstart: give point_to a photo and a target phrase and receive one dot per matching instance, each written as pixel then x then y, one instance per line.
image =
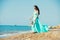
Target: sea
pixel 10 30
pixel 7 30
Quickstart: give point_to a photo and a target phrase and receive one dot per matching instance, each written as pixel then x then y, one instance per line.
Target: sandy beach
pixel 50 35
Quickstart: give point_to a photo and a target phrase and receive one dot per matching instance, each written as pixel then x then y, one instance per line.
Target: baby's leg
pixel 33 28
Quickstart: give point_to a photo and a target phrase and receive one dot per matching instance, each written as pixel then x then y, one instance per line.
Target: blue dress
pixel 37 27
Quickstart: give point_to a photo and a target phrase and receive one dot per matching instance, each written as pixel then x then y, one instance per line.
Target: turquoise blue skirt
pixel 37 27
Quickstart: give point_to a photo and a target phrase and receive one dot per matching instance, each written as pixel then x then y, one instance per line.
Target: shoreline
pixel 13 34
pixel 28 35
pixel 50 35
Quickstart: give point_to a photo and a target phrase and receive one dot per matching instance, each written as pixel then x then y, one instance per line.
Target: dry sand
pixel 50 35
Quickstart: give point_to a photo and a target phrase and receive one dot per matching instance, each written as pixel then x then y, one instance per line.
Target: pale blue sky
pixel 18 11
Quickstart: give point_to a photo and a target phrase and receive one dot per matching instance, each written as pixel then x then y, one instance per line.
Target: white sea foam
pixel 12 34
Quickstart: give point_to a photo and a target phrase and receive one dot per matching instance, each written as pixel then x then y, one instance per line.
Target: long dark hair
pixel 36 7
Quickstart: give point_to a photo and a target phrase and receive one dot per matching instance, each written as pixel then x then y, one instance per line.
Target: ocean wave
pixel 12 34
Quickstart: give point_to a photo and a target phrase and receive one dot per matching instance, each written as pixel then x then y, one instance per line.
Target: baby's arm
pixel 31 20
pixel 31 17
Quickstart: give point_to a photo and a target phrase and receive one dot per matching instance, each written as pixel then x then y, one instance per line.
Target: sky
pixel 18 12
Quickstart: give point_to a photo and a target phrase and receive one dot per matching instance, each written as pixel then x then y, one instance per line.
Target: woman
pixel 36 26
